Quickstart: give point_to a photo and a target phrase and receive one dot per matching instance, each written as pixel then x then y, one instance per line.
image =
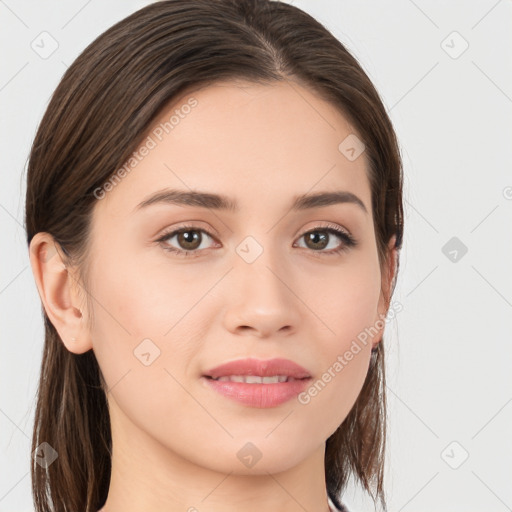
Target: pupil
pixel 188 237
pixel 314 237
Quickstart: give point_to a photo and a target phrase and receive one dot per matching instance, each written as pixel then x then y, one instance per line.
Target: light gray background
pixel 450 348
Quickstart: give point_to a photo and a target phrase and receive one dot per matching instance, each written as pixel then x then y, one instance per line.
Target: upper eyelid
pixel 173 231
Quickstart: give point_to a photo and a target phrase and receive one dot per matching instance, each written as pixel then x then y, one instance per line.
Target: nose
pixel 263 300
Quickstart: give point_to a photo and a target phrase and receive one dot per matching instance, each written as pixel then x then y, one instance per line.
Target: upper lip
pixel 260 367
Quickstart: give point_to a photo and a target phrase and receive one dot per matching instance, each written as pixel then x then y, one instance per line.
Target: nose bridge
pixel 264 300
pixel 258 265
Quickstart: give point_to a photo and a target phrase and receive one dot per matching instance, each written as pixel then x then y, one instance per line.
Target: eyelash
pixel 348 240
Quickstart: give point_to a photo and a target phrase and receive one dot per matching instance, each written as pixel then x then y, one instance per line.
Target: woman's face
pixel 262 280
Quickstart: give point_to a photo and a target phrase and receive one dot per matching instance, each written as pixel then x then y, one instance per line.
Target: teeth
pixel 255 379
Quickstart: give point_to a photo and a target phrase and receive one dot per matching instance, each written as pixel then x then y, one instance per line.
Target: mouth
pixel 280 369
pixel 258 383
pixel 255 379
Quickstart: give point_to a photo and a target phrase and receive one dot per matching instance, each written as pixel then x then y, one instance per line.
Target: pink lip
pixel 259 395
pixel 263 368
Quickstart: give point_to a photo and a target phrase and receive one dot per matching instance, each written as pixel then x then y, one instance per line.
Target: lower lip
pixel 259 395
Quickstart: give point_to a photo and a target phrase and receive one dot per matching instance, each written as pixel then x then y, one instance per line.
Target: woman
pixel 214 216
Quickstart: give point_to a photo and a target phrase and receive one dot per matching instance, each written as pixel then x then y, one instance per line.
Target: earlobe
pixel 57 291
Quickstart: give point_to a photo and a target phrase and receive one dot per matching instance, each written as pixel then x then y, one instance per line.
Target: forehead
pixel 250 141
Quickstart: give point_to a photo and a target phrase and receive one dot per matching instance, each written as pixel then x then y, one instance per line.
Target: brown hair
pixel 98 115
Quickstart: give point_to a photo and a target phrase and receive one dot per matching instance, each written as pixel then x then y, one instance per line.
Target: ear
pixel 59 292
pixel 388 274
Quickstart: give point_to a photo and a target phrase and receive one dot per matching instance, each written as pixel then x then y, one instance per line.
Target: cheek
pixel 139 297
pixel 141 316
pixel 347 299
pixel 347 305
pixel 143 341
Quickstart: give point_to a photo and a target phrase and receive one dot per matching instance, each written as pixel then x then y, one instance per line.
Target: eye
pixel 189 239
pixel 320 237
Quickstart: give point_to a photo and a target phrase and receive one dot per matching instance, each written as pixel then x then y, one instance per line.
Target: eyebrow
pixel 222 202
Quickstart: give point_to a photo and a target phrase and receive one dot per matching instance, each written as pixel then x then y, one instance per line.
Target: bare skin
pixel 176 442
